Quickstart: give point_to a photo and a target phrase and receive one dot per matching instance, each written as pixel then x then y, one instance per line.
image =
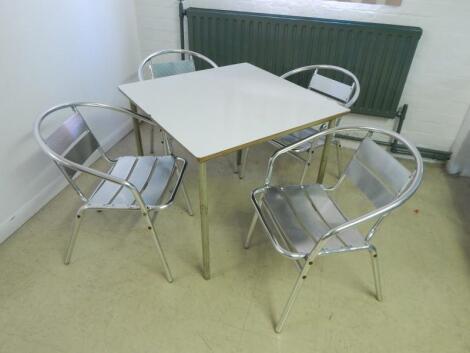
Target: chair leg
pixel 247 243
pixel 189 208
pixel 294 294
pixel 376 271
pixel 73 237
pixel 151 227
pixel 152 139
pixel 241 172
pixel 307 165
pixel 338 157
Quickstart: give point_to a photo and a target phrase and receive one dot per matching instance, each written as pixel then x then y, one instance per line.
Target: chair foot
pixel 376 272
pixel 73 237
pixel 247 243
pixel 293 296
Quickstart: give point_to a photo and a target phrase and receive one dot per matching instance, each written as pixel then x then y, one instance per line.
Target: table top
pixel 217 111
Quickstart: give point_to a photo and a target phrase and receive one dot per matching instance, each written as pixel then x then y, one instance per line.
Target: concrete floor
pixel 114 297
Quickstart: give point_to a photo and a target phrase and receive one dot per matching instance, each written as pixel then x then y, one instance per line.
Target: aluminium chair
pixel 306 221
pixel 345 93
pixel 150 69
pixel 146 184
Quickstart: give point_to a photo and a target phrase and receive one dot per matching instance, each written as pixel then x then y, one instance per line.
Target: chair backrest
pixel 347 94
pixel 374 171
pixel 72 140
pixel 377 173
pixel 170 68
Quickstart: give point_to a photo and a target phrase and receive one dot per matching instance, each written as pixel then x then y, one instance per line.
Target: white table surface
pixel 217 111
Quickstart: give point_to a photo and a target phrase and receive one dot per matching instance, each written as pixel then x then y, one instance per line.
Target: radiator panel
pixel 379 55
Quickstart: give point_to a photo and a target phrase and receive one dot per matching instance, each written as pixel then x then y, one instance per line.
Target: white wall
pixel 438 86
pixel 55 51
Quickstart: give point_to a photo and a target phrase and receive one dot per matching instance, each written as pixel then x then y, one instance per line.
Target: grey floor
pixel 113 297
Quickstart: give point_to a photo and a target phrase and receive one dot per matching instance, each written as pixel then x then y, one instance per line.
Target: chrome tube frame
pixel 356 84
pixel 147 63
pixel 62 162
pixel 318 250
pixel 294 152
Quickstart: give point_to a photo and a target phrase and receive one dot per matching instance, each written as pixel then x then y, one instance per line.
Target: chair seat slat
pixel 159 180
pixel 107 190
pixel 304 219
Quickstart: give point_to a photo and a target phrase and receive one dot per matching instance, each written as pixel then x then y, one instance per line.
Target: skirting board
pixel 32 206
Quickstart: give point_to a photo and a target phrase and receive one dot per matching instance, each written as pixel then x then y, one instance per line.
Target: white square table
pixel 218 111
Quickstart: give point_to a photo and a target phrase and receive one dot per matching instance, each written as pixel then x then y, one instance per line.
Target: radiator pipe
pixel 395 147
pixel 401 115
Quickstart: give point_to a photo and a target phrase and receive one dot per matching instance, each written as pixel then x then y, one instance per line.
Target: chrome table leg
pixel 247 243
pixel 238 161
pixel 138 136
pixel 203 205
pixel 241 172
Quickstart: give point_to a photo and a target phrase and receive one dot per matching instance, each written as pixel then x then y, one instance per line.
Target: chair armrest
pixel 257 204
pixel 126 111
pixel 99 174
pixel 379 212
pixel 284 150
pixel 180 169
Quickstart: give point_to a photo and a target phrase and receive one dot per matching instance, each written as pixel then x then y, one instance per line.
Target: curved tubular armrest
pixel 134 115
pixel 410 189
pixel 171 199
pixel 414 152
pixel 78 167
pixel 273 240
pixel 140 71
pixel 357 86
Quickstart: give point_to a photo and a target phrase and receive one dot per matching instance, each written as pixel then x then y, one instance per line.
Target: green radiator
pixel 380 55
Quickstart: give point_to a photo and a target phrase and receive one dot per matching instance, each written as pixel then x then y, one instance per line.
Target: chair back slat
pixel 332 88
pixel 82 150
pixel 67 133
pixel 172 68
pixel 74 141
pixel 377 173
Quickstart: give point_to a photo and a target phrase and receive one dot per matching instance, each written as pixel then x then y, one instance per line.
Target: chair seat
pixel 151 175
pixel 288 140
pixel 298 216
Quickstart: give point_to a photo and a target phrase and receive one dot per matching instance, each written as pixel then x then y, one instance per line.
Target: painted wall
pixel 55 51
pixel 438 87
